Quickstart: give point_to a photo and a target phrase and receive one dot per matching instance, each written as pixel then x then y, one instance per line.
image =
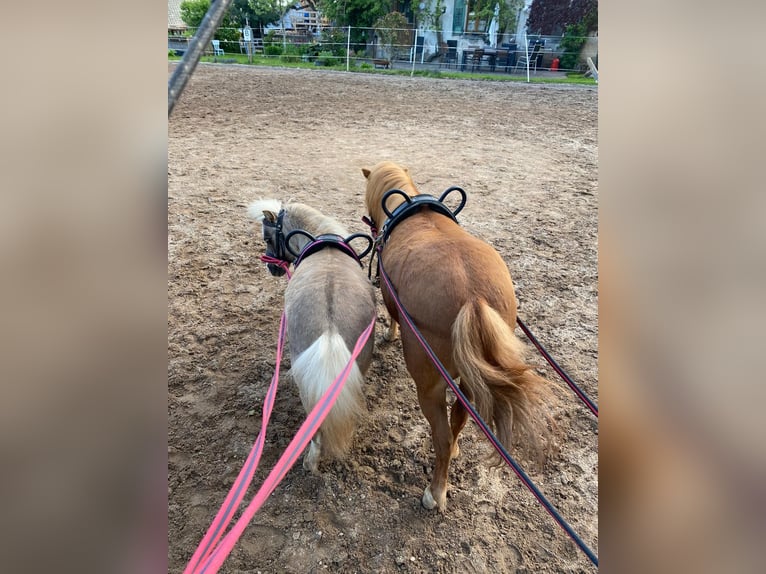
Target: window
pixel 466 19
pixel 474 25
pixel 458 17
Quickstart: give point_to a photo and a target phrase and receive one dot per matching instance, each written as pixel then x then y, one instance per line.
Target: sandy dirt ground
pixel 527 157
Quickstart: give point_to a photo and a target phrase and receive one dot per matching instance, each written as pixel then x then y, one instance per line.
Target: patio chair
pixel 217 51
pixel 474 58
pixel 451 54
pixel 417 48
pixel 508 57
pixel 529 58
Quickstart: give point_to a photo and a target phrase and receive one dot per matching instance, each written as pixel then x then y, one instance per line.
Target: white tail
pixel 314 371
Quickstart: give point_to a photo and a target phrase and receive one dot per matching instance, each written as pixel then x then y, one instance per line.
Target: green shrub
pixel 291 53
pixel 311 51
pixel 571 45
pixel 325 57
pixel 272 50
pixel 333 41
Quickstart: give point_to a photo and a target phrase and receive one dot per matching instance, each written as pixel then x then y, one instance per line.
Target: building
pixel 176 26
pixel 301 18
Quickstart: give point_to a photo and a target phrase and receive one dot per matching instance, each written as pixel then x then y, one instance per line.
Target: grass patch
pixel 364 67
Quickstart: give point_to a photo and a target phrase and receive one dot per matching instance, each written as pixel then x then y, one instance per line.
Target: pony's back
pixel 328 304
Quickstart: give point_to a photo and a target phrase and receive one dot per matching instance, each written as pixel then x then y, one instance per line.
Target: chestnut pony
pixel 459 293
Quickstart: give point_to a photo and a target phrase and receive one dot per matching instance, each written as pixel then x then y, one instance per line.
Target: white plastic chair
pixel 217 51
pixel 529 58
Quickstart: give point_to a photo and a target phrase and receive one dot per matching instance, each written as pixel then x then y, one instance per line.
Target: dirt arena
pixel 527 157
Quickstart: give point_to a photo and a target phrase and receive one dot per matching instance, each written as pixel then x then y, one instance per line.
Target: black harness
pixel 410 206
pixel 282 243
pixel 327 240
pixel 413 205
pixel 279 238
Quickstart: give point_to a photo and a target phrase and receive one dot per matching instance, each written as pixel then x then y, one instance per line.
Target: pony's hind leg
pixel 393 330
pixel 311 458
pixel 432 397
pixel 457 419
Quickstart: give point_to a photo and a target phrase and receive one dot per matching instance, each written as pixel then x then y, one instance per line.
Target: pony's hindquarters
pixel 314 371
pixel 507 393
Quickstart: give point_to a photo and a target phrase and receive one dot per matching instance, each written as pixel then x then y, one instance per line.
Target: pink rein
pixel 279 263
pixel 212 550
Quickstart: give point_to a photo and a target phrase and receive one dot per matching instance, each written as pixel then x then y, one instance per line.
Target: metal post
pixel 248 37
pixel 202 38
pixel 348 48
pixel 526 48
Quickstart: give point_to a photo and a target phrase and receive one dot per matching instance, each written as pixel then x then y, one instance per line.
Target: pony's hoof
pixel 310 465
pixel 311 459
pixel 391 334
pixel 430 503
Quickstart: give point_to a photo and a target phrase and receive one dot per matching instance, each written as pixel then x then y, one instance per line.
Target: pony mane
pixel 255 209
pixel 305 217
pixel 300 216
pixel 382 177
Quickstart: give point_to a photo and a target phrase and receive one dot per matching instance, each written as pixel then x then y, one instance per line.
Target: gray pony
pixel 329 302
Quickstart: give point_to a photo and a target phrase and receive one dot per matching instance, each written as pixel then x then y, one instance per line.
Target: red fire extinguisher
pixel 555 64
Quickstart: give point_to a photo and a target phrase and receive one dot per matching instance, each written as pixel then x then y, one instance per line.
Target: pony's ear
pixel 270 216
pixel 366 172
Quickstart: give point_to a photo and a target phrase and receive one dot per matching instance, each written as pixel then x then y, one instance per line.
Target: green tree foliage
pixel 553 16
pixel 574 19
pixel 357 13
pixel 193 11
pixel 509 10
pixel 257 12
pixel 394 32
pixel 262 12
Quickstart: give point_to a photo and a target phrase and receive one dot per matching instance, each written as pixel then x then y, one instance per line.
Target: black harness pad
pixel 408 208
pixel 327 240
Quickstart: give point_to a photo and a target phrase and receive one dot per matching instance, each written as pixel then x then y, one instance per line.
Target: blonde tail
pixel 314 371
pixel 514 401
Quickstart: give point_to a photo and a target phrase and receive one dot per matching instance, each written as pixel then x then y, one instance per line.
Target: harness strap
pixel 556 367
pixel 480 422
pixel 279 237
pixel 237 492
pixel 307 430
pixel 327 240
pixel 411 207
pixel 285 265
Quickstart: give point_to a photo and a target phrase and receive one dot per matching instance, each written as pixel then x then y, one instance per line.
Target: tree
pixel 257 12
pixel 262 12
pixel 193 11
pixel 394 32
pixel 551 17
pixel 574 20
pixel 429 17
pixel 357 13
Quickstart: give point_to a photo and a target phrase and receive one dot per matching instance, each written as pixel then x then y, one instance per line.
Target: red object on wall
pixel 555 64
